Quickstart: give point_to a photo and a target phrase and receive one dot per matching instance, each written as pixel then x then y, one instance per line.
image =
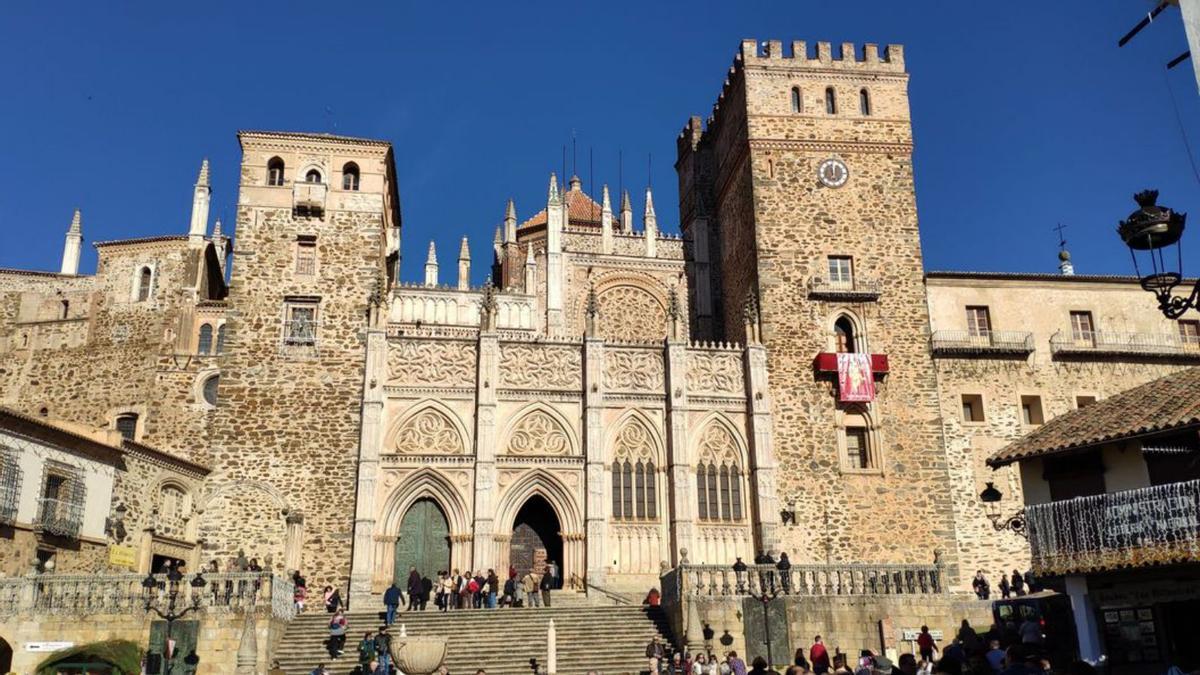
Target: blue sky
pixel 1025 114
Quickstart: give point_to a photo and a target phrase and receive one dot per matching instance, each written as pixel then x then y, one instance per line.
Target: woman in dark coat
pixel 415 589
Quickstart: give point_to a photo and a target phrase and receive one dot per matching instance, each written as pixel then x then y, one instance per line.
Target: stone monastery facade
pixel 617 396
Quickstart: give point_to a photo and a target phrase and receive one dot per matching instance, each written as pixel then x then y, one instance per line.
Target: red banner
pixel 856 382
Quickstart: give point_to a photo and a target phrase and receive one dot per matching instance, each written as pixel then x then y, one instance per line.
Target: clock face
pixel 833 173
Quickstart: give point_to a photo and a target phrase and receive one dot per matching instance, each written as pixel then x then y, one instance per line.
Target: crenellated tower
pixel 797 195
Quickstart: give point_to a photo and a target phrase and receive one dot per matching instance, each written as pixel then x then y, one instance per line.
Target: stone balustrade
pixel 808 580
pixel 92 594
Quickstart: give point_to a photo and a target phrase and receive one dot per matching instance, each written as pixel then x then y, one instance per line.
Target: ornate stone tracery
pixel 718 446
pixel 537 433
pixel 715 373
pixel 634 370
pixel 429 432
pixel 539 367
pixel 631 314
pixel 449 364
pixel 635 442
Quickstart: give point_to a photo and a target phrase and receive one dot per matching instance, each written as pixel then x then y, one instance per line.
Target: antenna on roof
pixel 649 169
pixel 620 173
pixel 574 165
pixel 564 165
pixel 591 185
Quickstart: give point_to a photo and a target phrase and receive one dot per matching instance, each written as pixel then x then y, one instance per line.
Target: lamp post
pixel 1149 232
pixel 991 507
pixel 766 599
pixel 170 612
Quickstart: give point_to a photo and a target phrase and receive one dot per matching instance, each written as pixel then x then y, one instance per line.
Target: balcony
pixel 60 517
pixel 1136 345
pixel 1132 528
pixel 299 339
pixel 10 488
pixel 309 198
pixel 855 290
pixel 990 343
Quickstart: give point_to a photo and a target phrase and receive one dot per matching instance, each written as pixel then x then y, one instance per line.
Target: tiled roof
pixel 140 240
pixel 1166 404
pixel 1031 276
pixel 35 273
pixel 312 136
pixel 581 210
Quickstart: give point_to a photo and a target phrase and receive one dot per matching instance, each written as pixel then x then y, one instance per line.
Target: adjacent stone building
pixel 784 376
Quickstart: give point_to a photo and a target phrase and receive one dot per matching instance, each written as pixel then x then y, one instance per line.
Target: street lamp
pixel 766 599
pixel 170 613
pixel 991 508
pixel 1148 232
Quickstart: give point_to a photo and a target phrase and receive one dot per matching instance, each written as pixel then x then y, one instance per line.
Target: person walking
pixel 655 652
pixel 337 634
pixel 1018 583
pixel 413 586
pixel 800 660
pixel 1005 588
pixel 383 648
pixel 449 593
pixel 980 585
pixel 529 584
pixel 819 656
pixel 925 644
pixel 736 665
pixel 546 584
pixel 366 649
pixel 509 599
pixel 391 602
pixel 552 571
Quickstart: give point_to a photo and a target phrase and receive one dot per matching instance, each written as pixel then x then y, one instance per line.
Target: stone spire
pixel 201 198
pixel 464 265
pixel 73 246
pixel 553 197
pixel 556 221
pixel 220 243
pixel 530 270
pixel 431 266
pixel 606 224
pixel 626 213
pixel 650 224
pixel 487 313
pixel 593 313
pixel 510 222
pixel 576 184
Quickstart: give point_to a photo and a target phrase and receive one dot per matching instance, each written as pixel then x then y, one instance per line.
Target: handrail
pixel 962 341
pixel 1111 342
pixel 611 595
pixel 833 579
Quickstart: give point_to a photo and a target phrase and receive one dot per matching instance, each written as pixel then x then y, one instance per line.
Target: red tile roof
pixel 1166 404
pixel 581 210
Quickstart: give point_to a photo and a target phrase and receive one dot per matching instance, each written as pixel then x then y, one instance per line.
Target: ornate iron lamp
pixel 991 507
pixel 1149 232
pixel 169 611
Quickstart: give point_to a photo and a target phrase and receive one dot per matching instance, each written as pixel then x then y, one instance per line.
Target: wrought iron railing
pixel 300 338
pixel 1116 344
pixel 855 288
pixel 1153 525
pixel 91 594
pixel 10 487
pixel 808 580
pixel 948 342
pixel 61 517
pixel 308 197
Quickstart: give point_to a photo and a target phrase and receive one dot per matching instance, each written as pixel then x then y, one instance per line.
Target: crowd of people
pixel 1015 585
pixel 456 590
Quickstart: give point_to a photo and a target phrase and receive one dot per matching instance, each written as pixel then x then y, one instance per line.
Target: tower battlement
pixel 771 52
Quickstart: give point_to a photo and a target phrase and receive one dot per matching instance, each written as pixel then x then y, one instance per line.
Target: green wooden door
pixel 424 542
pixel 184 660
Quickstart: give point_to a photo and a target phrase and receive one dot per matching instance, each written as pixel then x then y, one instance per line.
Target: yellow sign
pixel 122 556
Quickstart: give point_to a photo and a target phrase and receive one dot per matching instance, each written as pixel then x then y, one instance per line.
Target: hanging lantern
pixel 1149 232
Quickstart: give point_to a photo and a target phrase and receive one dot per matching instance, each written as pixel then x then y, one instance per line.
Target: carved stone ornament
pixel 717 446
pixel 429 432
pixel 448 364
pixel 714 373
pixel 634 442
pixel 631 369
pixel 539 367
pixel 538 434
pixel 631 314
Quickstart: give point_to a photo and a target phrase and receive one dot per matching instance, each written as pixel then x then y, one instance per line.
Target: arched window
pixel 797 101
pixel 127 425
pixel 714 509
pixel 639 500
pixel 145 277
pixel 726 508
pixel 313 176
pixel 651 493
pixel 735 492
pixel 350 176
pixel 843 332
pixel 864 102
pixel 830 101
pixel 627 489
pixel 205 342
pixel 221 339
pixel 617 511
pixel 210 389
pixel 718 477
pixel 275 172
pixel 66 309
pixel 702 492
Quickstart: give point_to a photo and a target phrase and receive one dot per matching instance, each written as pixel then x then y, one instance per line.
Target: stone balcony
pixel 309 198
pixel 855 290
pixel 1066 344
pixel 1130 528
pixel 808 580
pixel 985 344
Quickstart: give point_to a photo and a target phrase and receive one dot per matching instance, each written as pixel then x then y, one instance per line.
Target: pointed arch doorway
pixel 536 537
pixel 423 543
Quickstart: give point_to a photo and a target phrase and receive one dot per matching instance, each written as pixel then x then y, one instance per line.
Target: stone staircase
pixel 609 638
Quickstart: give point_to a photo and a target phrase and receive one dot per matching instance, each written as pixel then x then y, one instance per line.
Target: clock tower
pixel 798 191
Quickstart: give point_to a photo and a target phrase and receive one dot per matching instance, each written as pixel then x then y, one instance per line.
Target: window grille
pixel 61 509
pixel 10 486
pixel 300 325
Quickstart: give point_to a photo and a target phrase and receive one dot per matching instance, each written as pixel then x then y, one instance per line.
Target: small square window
pixel 1031 410
pixel 127 426
pixel 306 256
pixel 972 407
pixel 841 270
pixel 1084 401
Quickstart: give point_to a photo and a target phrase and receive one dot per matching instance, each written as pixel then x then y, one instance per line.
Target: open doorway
pixel 536 538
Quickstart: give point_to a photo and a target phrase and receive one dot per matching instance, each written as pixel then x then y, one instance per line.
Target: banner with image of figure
pixel 855 380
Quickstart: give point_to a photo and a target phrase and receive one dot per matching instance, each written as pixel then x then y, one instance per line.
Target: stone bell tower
pixel 798 192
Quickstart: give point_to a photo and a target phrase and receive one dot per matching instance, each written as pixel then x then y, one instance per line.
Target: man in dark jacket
pixel 546 584
pixel 383 647
pixel 391 600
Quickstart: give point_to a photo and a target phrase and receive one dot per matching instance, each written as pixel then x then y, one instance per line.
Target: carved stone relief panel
pixel 633 370
pixel 718 446
pixel 714 373
pixel 524 366
pixel 538 434
pixel 631 314
pixel 429 432
pixel 448 364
